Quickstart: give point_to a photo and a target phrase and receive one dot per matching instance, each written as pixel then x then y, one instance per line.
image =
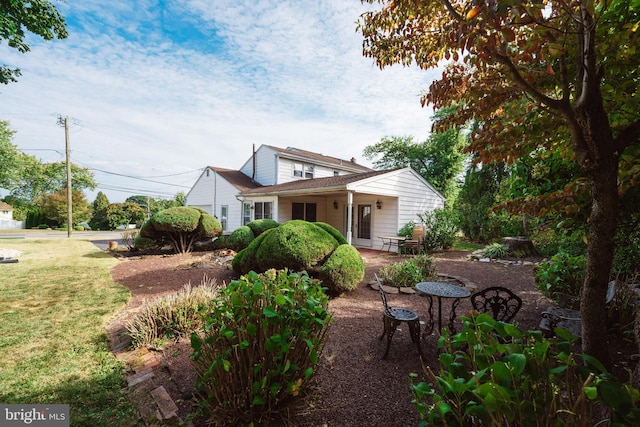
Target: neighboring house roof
pixel 329 183
pixel 5 207
pixel 236 178
pixel 296 153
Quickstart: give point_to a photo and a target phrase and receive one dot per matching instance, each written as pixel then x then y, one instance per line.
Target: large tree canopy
pixel 20 16
pixel 560 75
pixel 439 159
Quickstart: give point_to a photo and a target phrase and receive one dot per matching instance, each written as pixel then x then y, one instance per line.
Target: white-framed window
pixel 308 172
pixel 263 210
pixel 246 213
pixel 302 170
pixel 224 217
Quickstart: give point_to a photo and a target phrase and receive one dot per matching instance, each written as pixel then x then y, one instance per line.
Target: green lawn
pixel 54 304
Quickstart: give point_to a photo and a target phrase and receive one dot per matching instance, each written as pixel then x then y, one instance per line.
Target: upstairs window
pixel 301 170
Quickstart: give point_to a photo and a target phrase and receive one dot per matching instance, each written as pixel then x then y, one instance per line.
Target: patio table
pixel 390 241
pixel 441 290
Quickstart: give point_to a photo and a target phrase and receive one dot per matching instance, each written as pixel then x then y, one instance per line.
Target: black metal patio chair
pixel 394 316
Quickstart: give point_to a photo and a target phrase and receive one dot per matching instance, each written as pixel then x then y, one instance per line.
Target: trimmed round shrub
pixel 259 347
pixel 259 226
pixel 343 270
pixel 297 245
pixel 181 226
pixel 240 238
pixel 303 246
pixel 245 260
pixel 331 230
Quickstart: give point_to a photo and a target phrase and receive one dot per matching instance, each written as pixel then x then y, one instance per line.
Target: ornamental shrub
pixel 171 316
pixel 496 250
pixel 343 270
pixel 407 273
pixel 562 273
pixel 332 231
pixel 259 347
pixel 493 374
pixel 296 245
pixel 180 227
pixel 442 227
pixel 240 238
pixel 259 226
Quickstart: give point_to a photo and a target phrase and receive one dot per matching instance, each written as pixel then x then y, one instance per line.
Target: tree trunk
pixel 603 220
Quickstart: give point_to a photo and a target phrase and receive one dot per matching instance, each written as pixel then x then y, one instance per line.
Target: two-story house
pixel 284 184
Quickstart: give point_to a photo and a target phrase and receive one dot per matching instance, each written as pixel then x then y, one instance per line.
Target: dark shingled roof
pixel 316 157
pixel 236 178
pixel 317 183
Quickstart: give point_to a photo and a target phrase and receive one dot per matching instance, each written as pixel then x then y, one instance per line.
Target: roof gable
pixel 236 178
pixel 5 207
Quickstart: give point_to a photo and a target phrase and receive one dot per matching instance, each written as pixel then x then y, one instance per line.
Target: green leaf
pixel 591 392
pixel 269 312
pixel 517 362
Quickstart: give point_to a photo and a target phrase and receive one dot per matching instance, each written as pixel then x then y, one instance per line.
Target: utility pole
pixel 65 122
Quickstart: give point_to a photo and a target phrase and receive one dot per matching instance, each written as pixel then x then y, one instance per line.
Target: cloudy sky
pixel 157 90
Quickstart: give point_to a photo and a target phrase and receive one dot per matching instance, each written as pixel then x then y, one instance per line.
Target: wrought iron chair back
pixel 501 303
pixel 393 316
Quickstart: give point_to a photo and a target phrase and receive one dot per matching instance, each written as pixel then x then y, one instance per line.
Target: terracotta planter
pixel 112 245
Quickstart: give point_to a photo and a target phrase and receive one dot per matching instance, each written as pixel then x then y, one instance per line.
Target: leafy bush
pixel 332 231
pixel 180 227
pixel 407 273
pixel 562 273
pixel 494 374
pixel 171 316
pixel 240 238
pixel 78 228
pixel 442 227
pixel 43 226
pixel 343 270
pixel 407 229
pixel 144 243
pixel 259 346
pixel 496 250
pixel 259 226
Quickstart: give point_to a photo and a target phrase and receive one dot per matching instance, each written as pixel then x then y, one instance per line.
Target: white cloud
pixel 152 98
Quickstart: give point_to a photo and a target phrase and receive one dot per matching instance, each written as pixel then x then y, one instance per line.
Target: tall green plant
pixel 442 226
pixel 493 374
pixel 259 346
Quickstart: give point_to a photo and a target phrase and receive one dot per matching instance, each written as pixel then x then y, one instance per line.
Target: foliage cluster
pixel 175 315
pixel 180 227
pixel 407 273
pixel 243 235
pixel 343 270
pixel 496 250
pixel 493 374
pixel 259 346
pixel 441 228
pixel 562 273
pixel 303 246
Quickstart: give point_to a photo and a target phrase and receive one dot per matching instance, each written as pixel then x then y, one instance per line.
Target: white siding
pixel 403 195
pixel 201 194
pixel 265 166
pixel 211 192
